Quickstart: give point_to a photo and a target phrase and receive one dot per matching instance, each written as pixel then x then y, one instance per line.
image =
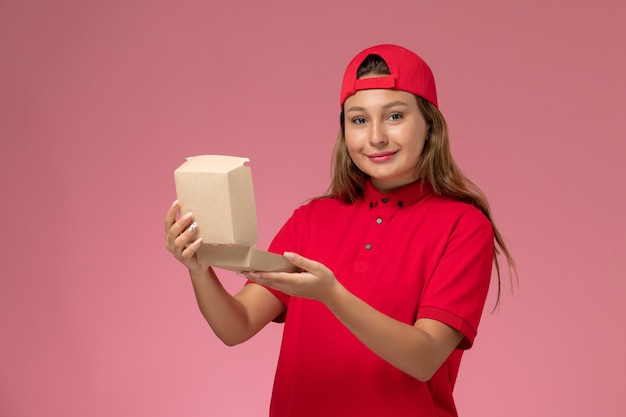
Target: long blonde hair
pixel 435 165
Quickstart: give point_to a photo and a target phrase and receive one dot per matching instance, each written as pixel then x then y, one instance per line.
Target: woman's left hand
pixel 315 282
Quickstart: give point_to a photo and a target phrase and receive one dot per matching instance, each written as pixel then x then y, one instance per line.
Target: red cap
pixel 409 73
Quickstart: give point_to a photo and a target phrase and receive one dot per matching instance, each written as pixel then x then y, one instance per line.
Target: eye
pixel 358 120
pixel 395 116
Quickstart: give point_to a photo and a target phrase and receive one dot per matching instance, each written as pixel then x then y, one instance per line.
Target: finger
pixel 303 263
pixel 180 225
pixel 251 275
pixel 191 249
pixel 175 238
pixel 186 235
pixel 276 280
pixel 170 217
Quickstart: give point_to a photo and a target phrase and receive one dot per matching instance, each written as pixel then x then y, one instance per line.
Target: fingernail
pixel 174 203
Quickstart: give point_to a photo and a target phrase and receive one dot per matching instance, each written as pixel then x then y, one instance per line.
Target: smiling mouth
pixel 381 157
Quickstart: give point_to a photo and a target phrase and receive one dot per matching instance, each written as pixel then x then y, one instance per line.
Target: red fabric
pixel 429 257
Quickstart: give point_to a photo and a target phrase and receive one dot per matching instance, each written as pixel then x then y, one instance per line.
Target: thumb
pixel 302 262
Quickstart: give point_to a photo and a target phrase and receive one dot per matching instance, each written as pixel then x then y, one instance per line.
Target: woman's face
pixel 385 134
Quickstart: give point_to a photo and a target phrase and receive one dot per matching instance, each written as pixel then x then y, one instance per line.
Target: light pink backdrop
pixel 101 100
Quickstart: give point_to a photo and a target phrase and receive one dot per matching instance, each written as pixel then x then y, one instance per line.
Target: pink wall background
pixel 101 101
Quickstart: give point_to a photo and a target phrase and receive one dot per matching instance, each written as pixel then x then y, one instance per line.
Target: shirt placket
pixel 380 215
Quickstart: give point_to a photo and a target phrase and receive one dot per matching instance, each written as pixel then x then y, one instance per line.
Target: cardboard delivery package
pixel 218 190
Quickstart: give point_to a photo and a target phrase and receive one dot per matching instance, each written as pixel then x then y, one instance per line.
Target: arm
pixel 234 319
pixel 418 350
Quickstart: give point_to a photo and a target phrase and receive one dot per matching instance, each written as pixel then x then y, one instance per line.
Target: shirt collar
pixel 404 196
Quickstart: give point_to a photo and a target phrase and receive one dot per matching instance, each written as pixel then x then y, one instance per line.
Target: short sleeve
pixel 456 292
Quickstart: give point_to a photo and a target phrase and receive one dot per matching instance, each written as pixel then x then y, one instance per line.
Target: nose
pixel 378 134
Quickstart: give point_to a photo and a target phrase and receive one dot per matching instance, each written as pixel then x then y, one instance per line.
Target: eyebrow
pixel 385 107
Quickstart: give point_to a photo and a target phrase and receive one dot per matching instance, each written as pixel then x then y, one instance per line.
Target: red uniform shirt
pixel 409 254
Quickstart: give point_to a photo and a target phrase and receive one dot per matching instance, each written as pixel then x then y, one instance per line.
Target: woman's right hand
pixel 180 237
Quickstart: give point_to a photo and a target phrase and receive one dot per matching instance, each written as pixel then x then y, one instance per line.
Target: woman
pixel 396 260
